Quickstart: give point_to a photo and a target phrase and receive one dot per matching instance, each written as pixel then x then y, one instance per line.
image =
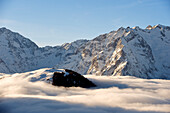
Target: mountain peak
pixel 149 27
pixel 127 51
pixel 158 26
pixel 3 29
pixel 155 26
pixel 121 28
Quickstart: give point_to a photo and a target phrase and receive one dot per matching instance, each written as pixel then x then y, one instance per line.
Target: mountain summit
pixel 133 51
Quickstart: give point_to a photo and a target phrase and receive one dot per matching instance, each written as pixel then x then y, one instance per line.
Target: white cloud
pixel 113 94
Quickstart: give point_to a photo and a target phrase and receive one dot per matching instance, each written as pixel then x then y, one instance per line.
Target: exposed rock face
pixel 128 51
pixel 69 78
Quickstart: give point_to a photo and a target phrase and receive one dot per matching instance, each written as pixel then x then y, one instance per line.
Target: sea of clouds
pixel 30 93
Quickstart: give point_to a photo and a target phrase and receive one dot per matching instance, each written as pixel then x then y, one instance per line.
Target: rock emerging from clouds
pixel 69 78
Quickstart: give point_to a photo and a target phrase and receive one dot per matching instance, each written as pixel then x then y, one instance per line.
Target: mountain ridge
pixel 128 51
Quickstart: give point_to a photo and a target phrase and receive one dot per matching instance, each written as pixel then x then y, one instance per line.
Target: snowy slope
pixel 31 92
pixel 19 54
pixel 128 51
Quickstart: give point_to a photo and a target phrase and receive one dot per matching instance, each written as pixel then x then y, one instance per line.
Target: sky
pixel 54 22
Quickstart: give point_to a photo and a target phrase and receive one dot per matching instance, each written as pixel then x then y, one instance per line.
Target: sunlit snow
pixel 30 92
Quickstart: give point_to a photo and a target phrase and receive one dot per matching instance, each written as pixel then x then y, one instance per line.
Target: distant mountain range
pixel 143 53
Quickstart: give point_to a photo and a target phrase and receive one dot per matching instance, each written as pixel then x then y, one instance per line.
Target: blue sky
pixel 54 22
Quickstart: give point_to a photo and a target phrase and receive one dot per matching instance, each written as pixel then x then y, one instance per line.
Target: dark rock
pixel 69 78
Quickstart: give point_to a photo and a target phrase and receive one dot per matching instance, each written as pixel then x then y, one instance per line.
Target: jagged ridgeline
pixel 134 51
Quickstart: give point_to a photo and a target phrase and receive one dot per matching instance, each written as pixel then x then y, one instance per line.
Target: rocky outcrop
pixel 69 78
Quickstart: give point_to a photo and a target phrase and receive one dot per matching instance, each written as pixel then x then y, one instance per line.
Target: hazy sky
pixel 54 22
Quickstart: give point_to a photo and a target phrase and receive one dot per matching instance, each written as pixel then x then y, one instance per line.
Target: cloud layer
pixel 113 94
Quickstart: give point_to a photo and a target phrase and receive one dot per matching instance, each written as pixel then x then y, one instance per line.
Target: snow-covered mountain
pixel 19 54
pixel 134 51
